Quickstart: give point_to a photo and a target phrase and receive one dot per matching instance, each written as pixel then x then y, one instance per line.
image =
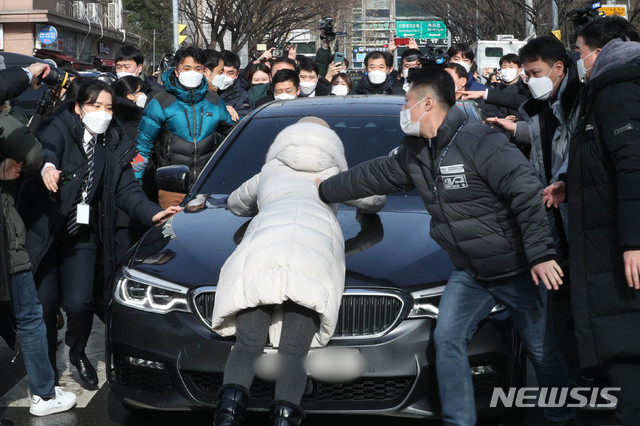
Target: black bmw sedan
pixel 161 352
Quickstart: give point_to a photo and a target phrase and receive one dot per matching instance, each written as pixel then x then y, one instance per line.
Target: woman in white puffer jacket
pixel 291 261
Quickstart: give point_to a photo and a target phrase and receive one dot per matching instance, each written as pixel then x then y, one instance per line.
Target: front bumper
pixel 172 362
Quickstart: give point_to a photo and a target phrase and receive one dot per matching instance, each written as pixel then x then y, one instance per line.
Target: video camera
pixel 581 16
pixel 326 29
pixel 434 57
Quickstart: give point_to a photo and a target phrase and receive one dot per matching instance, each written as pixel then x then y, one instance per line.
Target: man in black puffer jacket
pixel 604 207
pixel 378 80
pixel 487 213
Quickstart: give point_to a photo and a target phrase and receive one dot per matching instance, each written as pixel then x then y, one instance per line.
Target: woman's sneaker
pixel 62 401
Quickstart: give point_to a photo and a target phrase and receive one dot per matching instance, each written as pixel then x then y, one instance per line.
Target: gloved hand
pixel 139 163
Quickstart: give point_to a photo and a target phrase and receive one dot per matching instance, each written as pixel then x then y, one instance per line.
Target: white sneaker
pixel 62 401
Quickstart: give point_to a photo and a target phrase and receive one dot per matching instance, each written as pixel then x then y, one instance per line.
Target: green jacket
pixel 258 92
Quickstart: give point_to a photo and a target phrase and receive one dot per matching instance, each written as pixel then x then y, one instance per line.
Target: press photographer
pixel 20 153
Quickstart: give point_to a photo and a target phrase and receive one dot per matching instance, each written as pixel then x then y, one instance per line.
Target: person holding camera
pixel 21 153
pixel 70 213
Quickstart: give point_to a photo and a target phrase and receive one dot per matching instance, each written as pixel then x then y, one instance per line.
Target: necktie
pixel 83 195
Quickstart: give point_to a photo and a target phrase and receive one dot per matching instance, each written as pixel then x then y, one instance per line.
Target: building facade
pixel 87 33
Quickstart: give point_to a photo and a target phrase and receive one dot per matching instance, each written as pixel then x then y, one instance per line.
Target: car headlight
pixel 426 303
pixel 147 293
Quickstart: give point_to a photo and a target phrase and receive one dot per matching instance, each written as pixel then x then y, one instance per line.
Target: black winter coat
pixel 484 199
pixel 237 97
pixel 604 216
pixel 13 81
pixel 46 213
pixel 129 114
pixel 508 98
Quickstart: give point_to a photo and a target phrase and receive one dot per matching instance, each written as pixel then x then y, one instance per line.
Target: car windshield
pixel 364 137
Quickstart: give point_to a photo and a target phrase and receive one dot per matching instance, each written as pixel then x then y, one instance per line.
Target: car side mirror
pixel 173 179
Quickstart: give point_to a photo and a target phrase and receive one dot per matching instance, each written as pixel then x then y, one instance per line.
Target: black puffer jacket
pixel 237 97
pixel 486 207
pixel 45 214
pixel 604 216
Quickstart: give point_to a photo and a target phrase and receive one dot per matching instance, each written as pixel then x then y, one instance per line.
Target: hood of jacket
pixel 173 86
pixel 614 56
pixel 308 147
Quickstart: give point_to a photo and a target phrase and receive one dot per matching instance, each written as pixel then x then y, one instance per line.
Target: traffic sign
pixel 421 29
pixel 615 9
pixel 181 37
pixel 48 34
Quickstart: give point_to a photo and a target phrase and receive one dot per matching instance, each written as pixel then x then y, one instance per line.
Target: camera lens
pixel 56 78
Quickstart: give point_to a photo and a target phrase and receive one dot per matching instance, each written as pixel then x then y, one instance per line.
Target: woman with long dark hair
pixel 129 104
pixel 70 213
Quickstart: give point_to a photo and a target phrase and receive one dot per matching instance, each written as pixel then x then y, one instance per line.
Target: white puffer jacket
pixel 294 248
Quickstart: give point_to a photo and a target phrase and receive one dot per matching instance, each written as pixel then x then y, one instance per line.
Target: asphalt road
pixel 101 408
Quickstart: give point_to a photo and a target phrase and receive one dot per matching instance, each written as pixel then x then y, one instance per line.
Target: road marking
pixel 18 395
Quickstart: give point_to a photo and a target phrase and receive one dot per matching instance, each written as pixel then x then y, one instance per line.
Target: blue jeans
pixel 32 333
pixel 464 304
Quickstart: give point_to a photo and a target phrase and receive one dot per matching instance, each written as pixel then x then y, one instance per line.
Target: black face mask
pixel 261 84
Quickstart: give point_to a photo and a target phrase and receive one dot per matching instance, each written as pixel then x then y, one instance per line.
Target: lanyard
pixel 444 152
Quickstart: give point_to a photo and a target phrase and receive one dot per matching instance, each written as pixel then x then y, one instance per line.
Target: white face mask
pixel 284 97
pixel 96 121
pixel 125 74
pixel 411 128
pixel 308 87
pixel 377 77
pixel 190 79
pixel 582 71
pixel 464 64
pixel 541 87
pixel 339 90
pixel 405 72
pixel 222 81
pixel 141 101
pixel 509 74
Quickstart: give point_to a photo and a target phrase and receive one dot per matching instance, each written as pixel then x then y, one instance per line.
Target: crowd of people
pixel 552 175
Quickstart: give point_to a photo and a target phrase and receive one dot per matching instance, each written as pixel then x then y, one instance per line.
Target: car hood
pixel 391 249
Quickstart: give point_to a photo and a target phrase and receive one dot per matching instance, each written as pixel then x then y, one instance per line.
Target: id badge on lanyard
pixel 83 210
